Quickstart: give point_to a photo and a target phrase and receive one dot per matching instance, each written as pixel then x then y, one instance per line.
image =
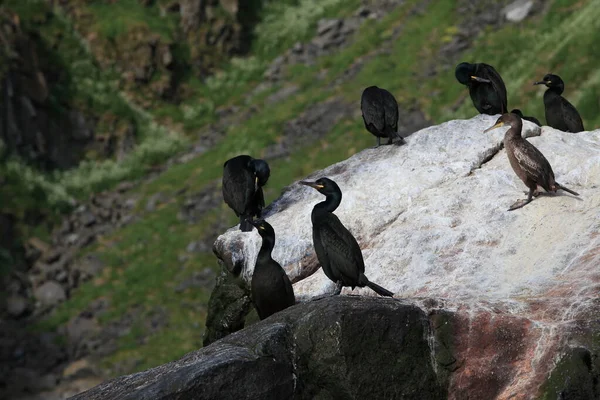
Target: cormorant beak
pixel 256 183
pixel 478 79
pixel 498 125
pixel 541 83
pixel 313 185
pixel 257 225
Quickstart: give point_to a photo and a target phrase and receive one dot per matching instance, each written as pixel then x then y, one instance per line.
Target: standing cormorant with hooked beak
pixel 530 119
pixel 271 288
pixel 336 248
pixel 380 114
pixel 560 114
pixel 486 87
pixel 527 161
pixel 243 179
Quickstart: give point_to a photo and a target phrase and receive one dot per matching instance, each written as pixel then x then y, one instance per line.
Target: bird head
pixel 517 112
pixel 465 73
pixel 324 185
pixel 263 227
pixel 508 119
pixel 261 170
pixel 552 81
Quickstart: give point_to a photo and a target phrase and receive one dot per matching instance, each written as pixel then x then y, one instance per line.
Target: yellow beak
pixel 498 125
pixel 314 185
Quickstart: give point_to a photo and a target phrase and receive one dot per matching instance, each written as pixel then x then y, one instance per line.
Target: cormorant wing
pixel 238 189
pixel 373 112
pixel 390 107
pixel 534 164
pixel 345 257
pixel 489 72
pixel 571 116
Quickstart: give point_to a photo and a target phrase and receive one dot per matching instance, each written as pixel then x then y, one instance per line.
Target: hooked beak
pixel 498 125
pixel 313 185
pixel 256 183
pixel 478 79
pixel 541 83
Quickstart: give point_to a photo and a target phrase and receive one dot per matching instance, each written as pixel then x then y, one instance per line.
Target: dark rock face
pixel 30 126
pixel 151 63
pixel 339 347
pixel 26 359
pixel 228 307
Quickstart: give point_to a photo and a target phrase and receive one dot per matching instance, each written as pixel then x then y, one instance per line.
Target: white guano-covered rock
pixel 516 290
pixel 430 222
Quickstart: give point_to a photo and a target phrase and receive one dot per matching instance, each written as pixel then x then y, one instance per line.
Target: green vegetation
pixel 117 18
pixel 84 86
pixel 142 259
pixel 287 22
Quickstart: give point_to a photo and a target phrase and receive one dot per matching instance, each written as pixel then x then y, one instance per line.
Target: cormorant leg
pixel 338 288
pixel 378 142
pixel 521 203
pixel 536 193
pixel 389 140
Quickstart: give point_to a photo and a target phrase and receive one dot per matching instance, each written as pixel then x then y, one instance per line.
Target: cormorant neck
pixel 332 202
pixel 268 242
pixel 555 90
pixel 515 131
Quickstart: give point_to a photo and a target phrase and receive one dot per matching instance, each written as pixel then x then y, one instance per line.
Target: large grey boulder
pixel 516 291
pixel 339 347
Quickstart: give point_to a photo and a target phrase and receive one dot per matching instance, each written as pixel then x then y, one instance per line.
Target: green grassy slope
pixel 142 258
pixel 82 86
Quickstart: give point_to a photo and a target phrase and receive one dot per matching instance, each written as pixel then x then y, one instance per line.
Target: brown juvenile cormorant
pixel 336 248
pixel 486 87
pixel 271 288
pixel 560 114
pixel 531 119
pixel 380 114
pixel 243 179
pixel 527 161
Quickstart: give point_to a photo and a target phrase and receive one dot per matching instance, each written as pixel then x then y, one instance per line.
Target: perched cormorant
pixel 486 87
pixel 380 114
pixel 560 114
pixel 243 179
pixel 527 161
pixel 336 248
pixel 531 119
pixel 271 288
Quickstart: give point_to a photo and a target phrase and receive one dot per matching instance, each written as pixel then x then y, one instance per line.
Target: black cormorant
pixel 560 114
pixel 531 119
pixel 271 288
pixel 243 179
pixel 486 87
pixel 336 248
pixel 380 114
pixel 527 161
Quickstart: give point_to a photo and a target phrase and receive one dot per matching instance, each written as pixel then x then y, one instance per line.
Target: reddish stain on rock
pixel 491 348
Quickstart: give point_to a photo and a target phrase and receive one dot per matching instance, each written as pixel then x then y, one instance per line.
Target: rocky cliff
pixel 153 46
pixel 333 348
pixel 38 121
pixel 510 298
